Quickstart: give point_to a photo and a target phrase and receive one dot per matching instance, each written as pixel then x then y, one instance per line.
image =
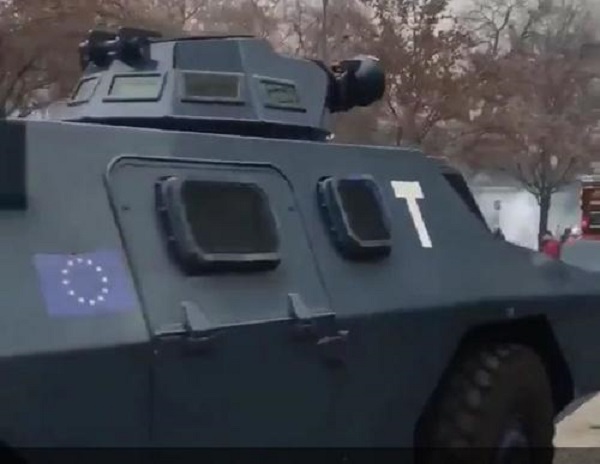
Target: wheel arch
pixel 533 332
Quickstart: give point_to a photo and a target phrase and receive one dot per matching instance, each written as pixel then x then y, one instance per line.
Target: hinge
pixel 303 324
pixel 321 328
pixel 197 332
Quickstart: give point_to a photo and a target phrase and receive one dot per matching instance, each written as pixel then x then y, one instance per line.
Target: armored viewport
pixel 230 84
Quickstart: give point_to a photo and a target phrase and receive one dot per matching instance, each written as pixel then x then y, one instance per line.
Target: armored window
pixel 355 216
pixel 280 94
pixel 85 90
pixel 211 87
pixel 135 87
pixel 218 225
pixel 457 182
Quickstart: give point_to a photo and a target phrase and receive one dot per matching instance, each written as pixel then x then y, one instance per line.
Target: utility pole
pixel 324 54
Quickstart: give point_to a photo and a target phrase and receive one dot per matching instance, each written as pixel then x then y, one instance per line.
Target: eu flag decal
pixel 85 284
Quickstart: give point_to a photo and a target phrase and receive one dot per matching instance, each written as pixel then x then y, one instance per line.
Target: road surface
pixel 578 435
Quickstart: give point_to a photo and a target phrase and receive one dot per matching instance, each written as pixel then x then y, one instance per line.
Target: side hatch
pixel 233 298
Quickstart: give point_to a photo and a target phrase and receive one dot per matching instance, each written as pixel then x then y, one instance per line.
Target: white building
pixel 518 212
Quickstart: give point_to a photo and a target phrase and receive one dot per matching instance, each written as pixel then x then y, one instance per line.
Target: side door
pixel 231 366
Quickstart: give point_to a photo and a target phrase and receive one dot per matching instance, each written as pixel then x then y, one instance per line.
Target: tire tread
pixel 460 405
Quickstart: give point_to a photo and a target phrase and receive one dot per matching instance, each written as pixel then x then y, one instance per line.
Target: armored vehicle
pixel 188 260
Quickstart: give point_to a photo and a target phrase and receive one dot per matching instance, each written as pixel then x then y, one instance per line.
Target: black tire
pixel 488 391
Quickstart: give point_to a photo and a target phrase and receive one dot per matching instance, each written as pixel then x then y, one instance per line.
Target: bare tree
pixel 39 38
pixel 38 48
pixel 49 31
pixel 324 31
pixel 304 29
pixel 345 30
pixel 31 37
pixel 424 50
pixel 259 18
pixel 531 122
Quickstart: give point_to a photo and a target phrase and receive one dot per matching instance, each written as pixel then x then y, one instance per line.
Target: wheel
pixel 495 408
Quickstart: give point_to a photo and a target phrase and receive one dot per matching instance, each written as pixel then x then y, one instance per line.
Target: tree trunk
pixel 406 131
pixel 399 135
pixel 324 32
pixel 409 128
pixel 545 201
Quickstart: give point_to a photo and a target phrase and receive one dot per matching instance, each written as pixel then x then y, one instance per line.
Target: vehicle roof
pixel 202 37
pixel 213 83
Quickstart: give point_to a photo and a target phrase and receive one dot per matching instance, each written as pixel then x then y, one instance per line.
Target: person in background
pixel 575 233
pixel 566 235
pixel 550 246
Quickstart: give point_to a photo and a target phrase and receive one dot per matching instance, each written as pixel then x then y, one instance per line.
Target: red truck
pixel 590 207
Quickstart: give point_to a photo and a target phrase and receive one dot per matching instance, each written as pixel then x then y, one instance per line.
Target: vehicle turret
pixel 215 84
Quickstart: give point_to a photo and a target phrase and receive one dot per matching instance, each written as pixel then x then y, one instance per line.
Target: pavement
pixel 577 438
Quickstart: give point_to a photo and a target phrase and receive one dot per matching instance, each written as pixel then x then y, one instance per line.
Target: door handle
pixel 320 329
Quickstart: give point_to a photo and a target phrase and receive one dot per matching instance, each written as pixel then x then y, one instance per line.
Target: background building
pixel 505 204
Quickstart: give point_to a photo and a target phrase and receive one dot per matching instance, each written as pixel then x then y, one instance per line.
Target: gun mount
pixel 215 84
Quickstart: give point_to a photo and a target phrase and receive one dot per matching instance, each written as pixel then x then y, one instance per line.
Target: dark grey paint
pixel 13 166
pixel 582 253
pixel 130 378
pixel 109 380
pixel 252 57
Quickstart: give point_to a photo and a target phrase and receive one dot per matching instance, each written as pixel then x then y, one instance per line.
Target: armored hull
pixel 213 360
pixel 188 263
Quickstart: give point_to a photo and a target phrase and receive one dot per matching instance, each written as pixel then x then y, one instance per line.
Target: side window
pixel 355 216
pixel 457 182
pixel 84 91
pixel 217 225
pixel 142 87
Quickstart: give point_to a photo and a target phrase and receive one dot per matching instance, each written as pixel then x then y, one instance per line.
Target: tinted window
pixel 355 217
pixel 363 210
pixel 136 87
pixel 229 217
pixel 459 185
pixel 208 85
pixel 85 90
pixel 280 93
pixel 590 196
pixel 594 218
